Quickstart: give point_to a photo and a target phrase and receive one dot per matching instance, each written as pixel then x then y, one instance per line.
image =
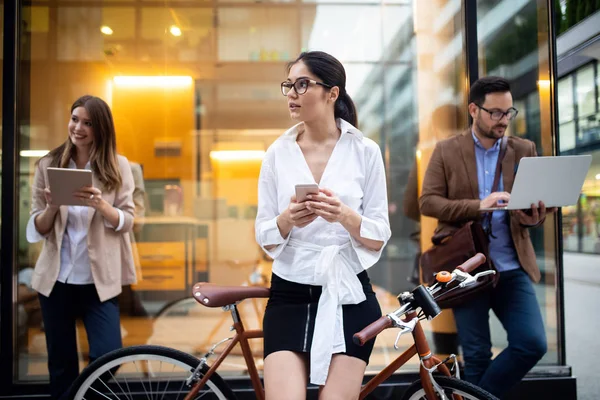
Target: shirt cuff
pixel 269 235
pixel 33 236
pixel 121 220
pixel 370 229
pixel 119 224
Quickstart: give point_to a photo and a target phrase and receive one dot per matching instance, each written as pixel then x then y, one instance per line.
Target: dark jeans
pixel 514 303
pixel 60 310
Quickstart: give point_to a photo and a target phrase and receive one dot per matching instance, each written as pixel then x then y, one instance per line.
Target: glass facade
pixel 514 43
pixel 194 90
pixel 579 116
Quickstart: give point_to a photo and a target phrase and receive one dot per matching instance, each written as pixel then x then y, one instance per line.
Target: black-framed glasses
pixel 300 86
pixel 511 113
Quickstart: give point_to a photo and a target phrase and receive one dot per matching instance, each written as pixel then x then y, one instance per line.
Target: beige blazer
pixel 451 192
pixel 109 251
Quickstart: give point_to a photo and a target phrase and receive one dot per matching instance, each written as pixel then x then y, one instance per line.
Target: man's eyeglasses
pixel 511 113
pixel 300 86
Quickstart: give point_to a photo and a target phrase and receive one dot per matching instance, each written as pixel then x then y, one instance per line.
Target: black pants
pixel 60 311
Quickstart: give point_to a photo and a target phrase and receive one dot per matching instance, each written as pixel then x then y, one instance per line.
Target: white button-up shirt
pixel 75 265
pixel 324 253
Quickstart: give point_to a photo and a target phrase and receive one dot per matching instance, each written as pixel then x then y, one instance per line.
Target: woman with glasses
pixel 320 291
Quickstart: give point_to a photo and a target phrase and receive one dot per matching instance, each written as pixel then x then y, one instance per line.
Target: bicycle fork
pixel 428 362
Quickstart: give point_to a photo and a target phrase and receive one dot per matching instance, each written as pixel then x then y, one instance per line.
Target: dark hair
pixel 327 68
pixel 486 85
pixel 103 155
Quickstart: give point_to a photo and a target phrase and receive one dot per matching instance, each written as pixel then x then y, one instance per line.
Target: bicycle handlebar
pixel 472 263
pixel 372 330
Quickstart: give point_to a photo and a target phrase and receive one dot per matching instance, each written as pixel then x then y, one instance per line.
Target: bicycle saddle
pixel 211 295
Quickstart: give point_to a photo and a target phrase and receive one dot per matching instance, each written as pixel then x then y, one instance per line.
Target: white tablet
pixel 64 182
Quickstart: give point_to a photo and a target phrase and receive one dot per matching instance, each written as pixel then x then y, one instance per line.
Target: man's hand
pixel 496 199
pixel 537 214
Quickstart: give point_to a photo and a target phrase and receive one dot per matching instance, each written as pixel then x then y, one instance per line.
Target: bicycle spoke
pixel 101 394
pixel 167 386
pixel 131 375
pixel 141 380
pixel 119 385
pixel 109 389
pixel 128 389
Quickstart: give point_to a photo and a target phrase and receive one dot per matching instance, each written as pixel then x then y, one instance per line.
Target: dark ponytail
pixel 331 72
pixel 344 108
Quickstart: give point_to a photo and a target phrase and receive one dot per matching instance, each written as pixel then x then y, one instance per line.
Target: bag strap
pixel 488 216
pixel 499 164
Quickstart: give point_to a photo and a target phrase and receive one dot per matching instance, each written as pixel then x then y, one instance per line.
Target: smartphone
pixel 304 190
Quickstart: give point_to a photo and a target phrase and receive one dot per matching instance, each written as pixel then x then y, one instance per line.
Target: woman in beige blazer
pixel 86 256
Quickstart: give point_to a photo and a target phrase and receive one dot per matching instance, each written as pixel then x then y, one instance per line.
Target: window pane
pixel 589 130
pixel 586 91
pixel 257 34
pixel 514 43
pixel 586 224
pixel 566 109
pixel 568 138
pixel 195 97
pixel 346 32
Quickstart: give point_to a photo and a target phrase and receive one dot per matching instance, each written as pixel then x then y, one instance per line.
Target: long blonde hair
pixel 103 155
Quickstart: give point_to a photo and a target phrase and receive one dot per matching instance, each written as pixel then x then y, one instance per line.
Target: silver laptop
pixel 557 181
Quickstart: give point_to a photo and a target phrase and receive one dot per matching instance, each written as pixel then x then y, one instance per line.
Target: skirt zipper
pixel 307 320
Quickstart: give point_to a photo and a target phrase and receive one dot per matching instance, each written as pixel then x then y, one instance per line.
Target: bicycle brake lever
pixel 406 327
pixel 467 280
pixel 484 273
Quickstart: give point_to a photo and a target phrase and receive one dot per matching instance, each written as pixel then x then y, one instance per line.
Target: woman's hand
pixel 91 197
pixel 297 214
pixel 49 204
pixel 327 206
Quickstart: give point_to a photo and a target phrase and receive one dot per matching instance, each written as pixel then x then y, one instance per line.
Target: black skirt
pixel 289 320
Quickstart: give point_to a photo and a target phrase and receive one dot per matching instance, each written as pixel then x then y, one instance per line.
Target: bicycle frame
pixel 420 347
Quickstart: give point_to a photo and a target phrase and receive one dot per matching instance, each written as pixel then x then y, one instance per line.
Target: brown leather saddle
pixel 211 295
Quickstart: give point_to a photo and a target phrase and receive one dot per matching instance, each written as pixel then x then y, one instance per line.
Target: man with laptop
pixel 457 188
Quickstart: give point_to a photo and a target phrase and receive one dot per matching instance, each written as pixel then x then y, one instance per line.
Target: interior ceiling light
pixel 106 30
pixel 175 30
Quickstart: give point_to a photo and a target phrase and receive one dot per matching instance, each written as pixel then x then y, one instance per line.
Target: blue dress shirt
pixel 502 249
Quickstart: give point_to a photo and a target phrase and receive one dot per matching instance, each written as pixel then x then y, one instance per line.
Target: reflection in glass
pixel 514 43
pixel 566 105
pixel 586 91
pixel 198 143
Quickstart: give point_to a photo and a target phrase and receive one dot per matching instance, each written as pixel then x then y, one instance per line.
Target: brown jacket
pixel 451 194
pixel 109 251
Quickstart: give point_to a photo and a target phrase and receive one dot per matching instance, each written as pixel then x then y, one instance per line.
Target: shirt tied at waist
pixel 340 286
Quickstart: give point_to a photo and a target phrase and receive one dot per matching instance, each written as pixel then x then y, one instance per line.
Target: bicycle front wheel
pixel 453 388
pixel 145 372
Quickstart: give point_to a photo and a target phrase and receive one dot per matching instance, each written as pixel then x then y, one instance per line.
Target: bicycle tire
pixel 451 386
pixel 98 379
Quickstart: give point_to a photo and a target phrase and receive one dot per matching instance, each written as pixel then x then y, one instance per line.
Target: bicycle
pixel 138 371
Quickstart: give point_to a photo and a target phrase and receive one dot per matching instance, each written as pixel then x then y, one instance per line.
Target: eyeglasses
pixel 300 86
pixel 511 113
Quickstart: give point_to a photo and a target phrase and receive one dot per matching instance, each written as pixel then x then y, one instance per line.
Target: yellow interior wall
pixel 236 180
pixel 146 116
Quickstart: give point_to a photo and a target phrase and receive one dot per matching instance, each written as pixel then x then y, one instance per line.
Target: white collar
pixel 73 165
pixel 343 126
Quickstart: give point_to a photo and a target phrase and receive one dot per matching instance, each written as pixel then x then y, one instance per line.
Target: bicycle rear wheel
pixel 451 386
pixel 145 372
